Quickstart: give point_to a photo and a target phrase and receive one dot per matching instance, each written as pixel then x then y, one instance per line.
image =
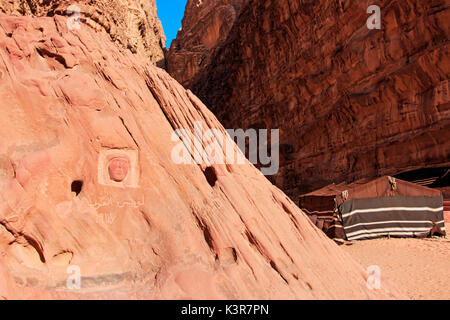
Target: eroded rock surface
pixel 206 25
pixel 131 23
pixel 350 102
pixel 88 185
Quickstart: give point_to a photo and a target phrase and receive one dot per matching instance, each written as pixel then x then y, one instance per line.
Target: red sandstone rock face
pixel 131 24
pixel 350 102
pixel 142 227
pixel 206 25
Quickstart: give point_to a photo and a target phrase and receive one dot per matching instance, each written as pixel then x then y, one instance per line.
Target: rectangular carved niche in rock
pixel 118 168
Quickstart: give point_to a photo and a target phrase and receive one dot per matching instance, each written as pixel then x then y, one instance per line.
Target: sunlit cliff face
pixel 131 24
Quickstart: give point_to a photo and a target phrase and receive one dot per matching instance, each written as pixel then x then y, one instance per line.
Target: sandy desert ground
pixel 420 267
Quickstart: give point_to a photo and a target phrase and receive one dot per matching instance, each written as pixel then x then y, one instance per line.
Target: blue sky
pixel 171 12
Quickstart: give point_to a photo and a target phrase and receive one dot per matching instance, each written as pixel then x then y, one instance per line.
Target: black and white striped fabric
pixel 391 216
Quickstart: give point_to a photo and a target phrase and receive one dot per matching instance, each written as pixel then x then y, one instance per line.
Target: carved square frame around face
pixel 131 180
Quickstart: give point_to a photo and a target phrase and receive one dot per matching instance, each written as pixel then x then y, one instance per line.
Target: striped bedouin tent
pixel 384 207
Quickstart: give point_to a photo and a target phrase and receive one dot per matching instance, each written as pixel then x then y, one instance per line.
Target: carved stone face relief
pixel 118 168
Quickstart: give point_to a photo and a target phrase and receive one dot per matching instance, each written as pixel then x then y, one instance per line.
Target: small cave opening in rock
pixel 436 178
pixel 211 176
pixel 76 187
pixel 428 177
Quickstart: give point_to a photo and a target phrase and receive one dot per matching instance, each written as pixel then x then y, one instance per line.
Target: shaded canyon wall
pixel 350 102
